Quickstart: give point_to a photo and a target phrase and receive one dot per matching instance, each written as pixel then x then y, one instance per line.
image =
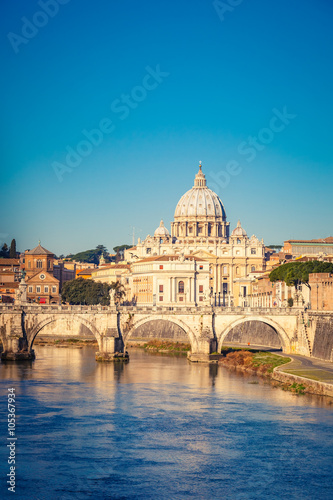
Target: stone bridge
pixel 205 328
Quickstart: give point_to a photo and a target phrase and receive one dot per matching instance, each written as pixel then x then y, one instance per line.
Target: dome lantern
pixel 200 178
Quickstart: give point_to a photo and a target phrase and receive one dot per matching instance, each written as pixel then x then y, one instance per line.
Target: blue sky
pixel 167 83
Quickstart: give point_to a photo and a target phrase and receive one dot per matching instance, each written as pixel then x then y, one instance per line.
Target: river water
pixel 160 428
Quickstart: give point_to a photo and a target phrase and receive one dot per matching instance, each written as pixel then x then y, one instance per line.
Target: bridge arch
pixel 32 334
pixel 175 321
pixel 285 342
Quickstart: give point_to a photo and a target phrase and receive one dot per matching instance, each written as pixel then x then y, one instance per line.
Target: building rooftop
pixel 85 271
pixel 328 240
pixel 9 262
pixel 39 250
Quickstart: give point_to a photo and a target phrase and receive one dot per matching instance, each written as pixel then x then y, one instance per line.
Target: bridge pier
pixel 201 354
pixel 17 350
pixel 15 343
pixel 111 344
pixel 112 349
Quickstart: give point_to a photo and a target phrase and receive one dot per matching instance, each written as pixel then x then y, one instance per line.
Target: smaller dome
pixel 162 230
pixel 239 231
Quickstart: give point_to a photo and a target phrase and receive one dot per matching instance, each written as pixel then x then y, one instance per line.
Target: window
pixel 181 287
pixel 199 230
pixel 200 288
pixel 46 289
pixel 148 250
pixel 237 271
pixel 161 266
pixel 30 289
pixel 54 289
pixel 190 229
pixel 39 263
pixel 225 270
pixel 253 268
pixel 253 251
pixel 37 289
pixel 181 299
pixel 161 240
pixel 161 298
pixel 201 298
pixel 29 264
pixel 238 241
pixel 160 288
pixel 49 264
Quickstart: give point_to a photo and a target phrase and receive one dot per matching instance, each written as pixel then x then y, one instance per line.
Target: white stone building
pixel 170 280
pixel 200 229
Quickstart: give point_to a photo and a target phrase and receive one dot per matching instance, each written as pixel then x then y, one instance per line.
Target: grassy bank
pixel 166 347
pixel 65 342
pixel 261 363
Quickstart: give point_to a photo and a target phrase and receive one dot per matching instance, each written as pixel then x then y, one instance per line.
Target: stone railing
pixel 44 308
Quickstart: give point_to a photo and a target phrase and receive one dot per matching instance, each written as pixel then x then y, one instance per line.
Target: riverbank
pixel 71 342
pixel 273 367
pixel 164 347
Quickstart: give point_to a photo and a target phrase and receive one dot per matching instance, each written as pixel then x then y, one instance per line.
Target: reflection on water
pixel 160 427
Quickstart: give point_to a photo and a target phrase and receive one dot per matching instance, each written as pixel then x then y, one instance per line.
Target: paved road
pixel 311 368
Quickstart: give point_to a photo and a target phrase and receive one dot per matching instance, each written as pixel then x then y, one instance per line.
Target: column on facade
pixel 190 290
pixel 193 291
pixel 171 289
pixel 218 283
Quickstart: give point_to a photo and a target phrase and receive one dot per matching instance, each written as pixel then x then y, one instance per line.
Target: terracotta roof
pixel 39 250
pixel 329 239
pixel 88 270
pixel 9 262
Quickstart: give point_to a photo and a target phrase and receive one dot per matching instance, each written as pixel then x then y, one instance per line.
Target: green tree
pixel 276 247
pixel 89 292
pixel 12 251
pixel 92 255
pixel 4 251
pixel 295 273
pixel 119 248
pixel 101 248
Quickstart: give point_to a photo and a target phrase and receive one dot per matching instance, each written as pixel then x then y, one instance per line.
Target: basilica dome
pixel 200 214
pixel 239 231
pixel 162 231
pixel 200 201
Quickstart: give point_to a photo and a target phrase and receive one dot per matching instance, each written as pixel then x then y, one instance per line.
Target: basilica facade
pixel 200 230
